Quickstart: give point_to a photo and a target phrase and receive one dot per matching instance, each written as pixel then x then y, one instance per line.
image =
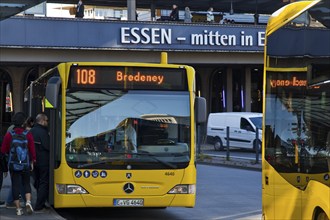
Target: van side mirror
pixel 200 110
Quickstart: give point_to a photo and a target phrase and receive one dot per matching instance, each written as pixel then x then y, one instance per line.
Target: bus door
pixel 53 110
pixel 284 133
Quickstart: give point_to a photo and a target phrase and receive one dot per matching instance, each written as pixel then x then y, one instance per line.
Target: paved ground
pixel 9 214
pixel 222 161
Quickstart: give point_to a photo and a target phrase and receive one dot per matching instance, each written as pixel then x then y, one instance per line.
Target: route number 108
pixel 86 76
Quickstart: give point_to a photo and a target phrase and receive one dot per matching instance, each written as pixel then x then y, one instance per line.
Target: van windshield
pixel 257 121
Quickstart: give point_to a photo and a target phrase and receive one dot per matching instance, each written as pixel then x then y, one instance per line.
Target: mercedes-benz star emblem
pixel 128 188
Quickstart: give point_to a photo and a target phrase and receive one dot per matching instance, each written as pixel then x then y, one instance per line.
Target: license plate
pixel 128 202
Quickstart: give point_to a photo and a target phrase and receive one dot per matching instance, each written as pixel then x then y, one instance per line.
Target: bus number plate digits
pixel 128 202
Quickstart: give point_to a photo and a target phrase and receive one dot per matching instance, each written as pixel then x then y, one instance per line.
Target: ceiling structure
pixel 9 8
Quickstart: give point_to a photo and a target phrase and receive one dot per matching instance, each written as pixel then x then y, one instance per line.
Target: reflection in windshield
pixel 297 127
pixel 111 129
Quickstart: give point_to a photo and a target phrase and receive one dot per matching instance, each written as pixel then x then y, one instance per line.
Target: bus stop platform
pixel 10 213
pixel 51 214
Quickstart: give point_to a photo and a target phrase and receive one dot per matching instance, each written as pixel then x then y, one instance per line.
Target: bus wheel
pixel 218 144
pixel 321 216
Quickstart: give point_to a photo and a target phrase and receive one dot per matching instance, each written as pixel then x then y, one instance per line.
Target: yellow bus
pixel 122 134
pixel 296 126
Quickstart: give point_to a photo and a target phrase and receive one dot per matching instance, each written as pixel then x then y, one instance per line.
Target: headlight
pixel 183 189
pixel 70 189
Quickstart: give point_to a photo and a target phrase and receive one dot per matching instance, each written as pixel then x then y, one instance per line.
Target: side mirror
pixel 52 91
pixel 200 110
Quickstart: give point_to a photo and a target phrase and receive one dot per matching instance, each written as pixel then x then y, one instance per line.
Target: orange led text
pixel 286 82
pixel 139 77
pixel 86 76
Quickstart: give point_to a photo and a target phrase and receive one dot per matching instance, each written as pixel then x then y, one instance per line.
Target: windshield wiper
pixel 102 161
pixel 153 156
pixel 96 163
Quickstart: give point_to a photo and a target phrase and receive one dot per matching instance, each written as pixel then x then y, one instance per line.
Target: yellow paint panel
pixel 287 14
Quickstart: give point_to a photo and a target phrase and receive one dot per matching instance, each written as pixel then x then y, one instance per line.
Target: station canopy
pixel 9 8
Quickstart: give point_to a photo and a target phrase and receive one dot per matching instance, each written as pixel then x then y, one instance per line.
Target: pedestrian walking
pixel 19 144
pixel 174 16
pixel 187 15
pixel 80 9
pixel 10 200
pixel 41 172
pixel 210 15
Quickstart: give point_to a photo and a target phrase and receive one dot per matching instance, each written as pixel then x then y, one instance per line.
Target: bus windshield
pixel 297 121
pixel 113 129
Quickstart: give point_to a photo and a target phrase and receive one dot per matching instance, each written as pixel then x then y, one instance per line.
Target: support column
pixel 229 90
pixel 153 11
pixel 247 92
pixel 17 76
pixel 131 10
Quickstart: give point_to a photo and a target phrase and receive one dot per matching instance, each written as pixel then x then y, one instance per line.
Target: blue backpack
pixel 19 152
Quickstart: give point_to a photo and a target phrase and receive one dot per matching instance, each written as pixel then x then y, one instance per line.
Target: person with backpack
pixel 41 171
pixel 19 144
pixel 28 124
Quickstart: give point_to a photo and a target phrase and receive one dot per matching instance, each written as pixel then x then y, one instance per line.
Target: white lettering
pixel 155 36
pixel 246 40
pixel 224 40
pixel 124 35
pixel 163 36
pixel 242 38
pixel 136 35
pixel 232 40
pixel 261 38
pixel 197 39
pixel 134 32
pixel 166 36
pixel 145 34
pixel 213 38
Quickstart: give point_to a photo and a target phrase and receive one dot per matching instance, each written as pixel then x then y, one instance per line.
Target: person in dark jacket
pixel 18 177
pixel 174 16
pixel 80 9
pixel 41 141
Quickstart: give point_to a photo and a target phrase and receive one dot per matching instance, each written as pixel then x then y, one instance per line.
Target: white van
pixel 242 129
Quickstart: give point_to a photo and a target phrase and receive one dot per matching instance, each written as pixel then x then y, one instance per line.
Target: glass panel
pixel 111 129
pixel 238 90
pixel 257 121
pixel 256 89
pixel 297 124
pixel 218 93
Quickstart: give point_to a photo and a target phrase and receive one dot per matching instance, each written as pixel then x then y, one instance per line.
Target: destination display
pixel 121 77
